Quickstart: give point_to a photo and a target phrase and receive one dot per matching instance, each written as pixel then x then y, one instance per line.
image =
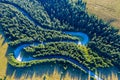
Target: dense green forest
pixel 19 30
pixel 78 52
pixel 103 49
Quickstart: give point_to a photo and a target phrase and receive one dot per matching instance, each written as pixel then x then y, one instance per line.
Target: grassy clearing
pixel 109 10
pixel 3 59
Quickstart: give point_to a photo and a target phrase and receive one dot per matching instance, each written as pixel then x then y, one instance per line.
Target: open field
pixel 109 10
pixel 3 59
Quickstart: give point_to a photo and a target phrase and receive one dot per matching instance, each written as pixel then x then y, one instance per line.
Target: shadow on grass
pixel 45 68
pixel 39 70
pixel 2 36
pixel 109 73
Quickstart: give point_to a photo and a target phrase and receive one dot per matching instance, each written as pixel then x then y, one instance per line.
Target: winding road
pixel 19 57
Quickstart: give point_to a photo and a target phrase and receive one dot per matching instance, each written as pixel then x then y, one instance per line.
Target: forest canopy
pixel 52 17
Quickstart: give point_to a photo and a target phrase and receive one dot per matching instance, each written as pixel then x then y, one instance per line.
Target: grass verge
pixel 106 9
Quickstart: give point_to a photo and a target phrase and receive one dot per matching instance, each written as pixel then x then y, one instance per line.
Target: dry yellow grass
pixel 111 77
pixel 3 59
pixel 109 10
pixel 54 76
